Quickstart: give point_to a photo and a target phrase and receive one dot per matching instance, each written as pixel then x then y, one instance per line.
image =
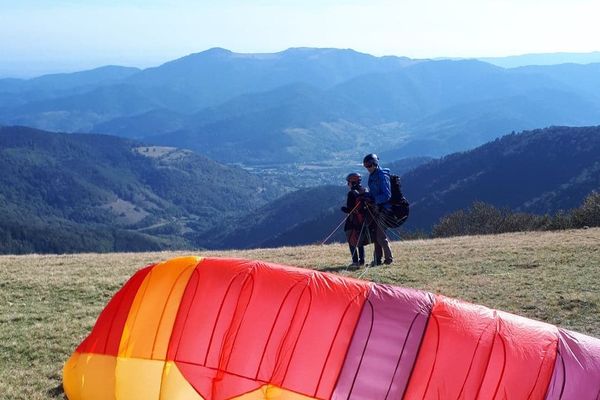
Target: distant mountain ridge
pixel 544 59
pixel 304 104
pixel 15 92
pixel 213 76
pixel 430 108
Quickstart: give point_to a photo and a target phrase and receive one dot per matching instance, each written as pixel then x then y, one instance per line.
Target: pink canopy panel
pixel 213 329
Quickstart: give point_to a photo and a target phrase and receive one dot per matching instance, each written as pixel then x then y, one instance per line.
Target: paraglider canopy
pixel 193 328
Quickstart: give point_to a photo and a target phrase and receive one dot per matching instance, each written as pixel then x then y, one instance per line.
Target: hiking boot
pixel 375 263
pixel 354 265
pixel 388 261
pixel 361 263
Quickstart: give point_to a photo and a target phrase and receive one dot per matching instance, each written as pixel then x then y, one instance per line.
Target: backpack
pixel 400 206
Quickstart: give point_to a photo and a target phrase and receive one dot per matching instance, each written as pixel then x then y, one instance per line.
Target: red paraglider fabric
pixel 230 329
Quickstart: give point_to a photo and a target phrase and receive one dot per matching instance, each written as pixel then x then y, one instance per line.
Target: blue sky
pixel 39 36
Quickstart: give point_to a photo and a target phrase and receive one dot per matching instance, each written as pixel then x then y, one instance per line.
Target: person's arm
pixel 385 188
pixel 350 200
pixel 349 203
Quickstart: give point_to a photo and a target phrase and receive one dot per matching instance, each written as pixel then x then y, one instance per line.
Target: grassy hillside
pixel 48 304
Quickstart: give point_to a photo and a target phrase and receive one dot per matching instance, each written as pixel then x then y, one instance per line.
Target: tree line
pixel 485 219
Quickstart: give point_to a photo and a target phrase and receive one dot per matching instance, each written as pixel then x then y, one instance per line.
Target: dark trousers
pixel 358 253
pixel 381 243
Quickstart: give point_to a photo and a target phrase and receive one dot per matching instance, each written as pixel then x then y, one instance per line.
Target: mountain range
pixel 543 59
pixel 540 171
pixel 305 105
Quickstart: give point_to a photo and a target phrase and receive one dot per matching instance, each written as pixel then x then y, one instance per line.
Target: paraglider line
pixel 162 314
pixel 164 368
pixel 437 347
pixel 297 338
pixel 112 322
pixel 340 224
pixel 239 324
pixel 428 311
pixel 473 357
pixel 503 366
pixel 379 222
pixel 137 311
pixel 388 221
pixel 284 341
pixel 219 370
pixel 276 319
pixel 364 348
pixel 564 373
pixel 333 341
pixel 537 379
pixel 370 239
pixel 219 314
pixel 382 227
pixel 401 354
pixel 362 229
pixel 196 278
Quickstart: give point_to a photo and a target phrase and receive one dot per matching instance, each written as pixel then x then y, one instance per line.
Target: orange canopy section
pixel 220 329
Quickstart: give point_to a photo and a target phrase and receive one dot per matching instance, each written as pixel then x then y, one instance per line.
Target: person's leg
pixel 361 255
pixel 354 253
pixel 378 253
pixel 384 244
pixel 372 236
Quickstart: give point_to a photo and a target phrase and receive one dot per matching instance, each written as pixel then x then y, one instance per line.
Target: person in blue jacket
pixel 380 193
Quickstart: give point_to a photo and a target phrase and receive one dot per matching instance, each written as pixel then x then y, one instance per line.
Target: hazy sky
pixel 38 36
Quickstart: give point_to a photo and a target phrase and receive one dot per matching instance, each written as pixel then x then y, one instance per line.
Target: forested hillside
pixel 540 171
pixel 70 193
pixel 65 193
pixel 302 217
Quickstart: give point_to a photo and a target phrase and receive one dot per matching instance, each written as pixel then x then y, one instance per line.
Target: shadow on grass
pixel 339 268
pixel 57 392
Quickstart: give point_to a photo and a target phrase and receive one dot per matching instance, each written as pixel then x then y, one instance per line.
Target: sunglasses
pixel 368 165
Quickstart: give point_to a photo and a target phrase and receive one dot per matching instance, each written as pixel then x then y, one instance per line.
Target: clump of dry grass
pixel 49 303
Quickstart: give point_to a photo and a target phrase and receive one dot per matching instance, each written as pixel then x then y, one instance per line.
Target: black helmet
pixel 371 159
pixel 353 177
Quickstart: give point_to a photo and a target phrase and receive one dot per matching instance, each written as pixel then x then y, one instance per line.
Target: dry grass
pixel 49 303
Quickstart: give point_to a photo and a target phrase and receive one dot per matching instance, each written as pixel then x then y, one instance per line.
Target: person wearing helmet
pixel 380 193
pixel 354 225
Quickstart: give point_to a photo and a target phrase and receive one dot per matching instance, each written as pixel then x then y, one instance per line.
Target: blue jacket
pixel 380 188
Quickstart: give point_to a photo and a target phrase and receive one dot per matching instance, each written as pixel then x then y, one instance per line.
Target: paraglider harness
pixel 400 206
pixel 397 213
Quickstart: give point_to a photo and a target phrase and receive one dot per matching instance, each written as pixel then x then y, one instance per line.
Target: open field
pixel 49 303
